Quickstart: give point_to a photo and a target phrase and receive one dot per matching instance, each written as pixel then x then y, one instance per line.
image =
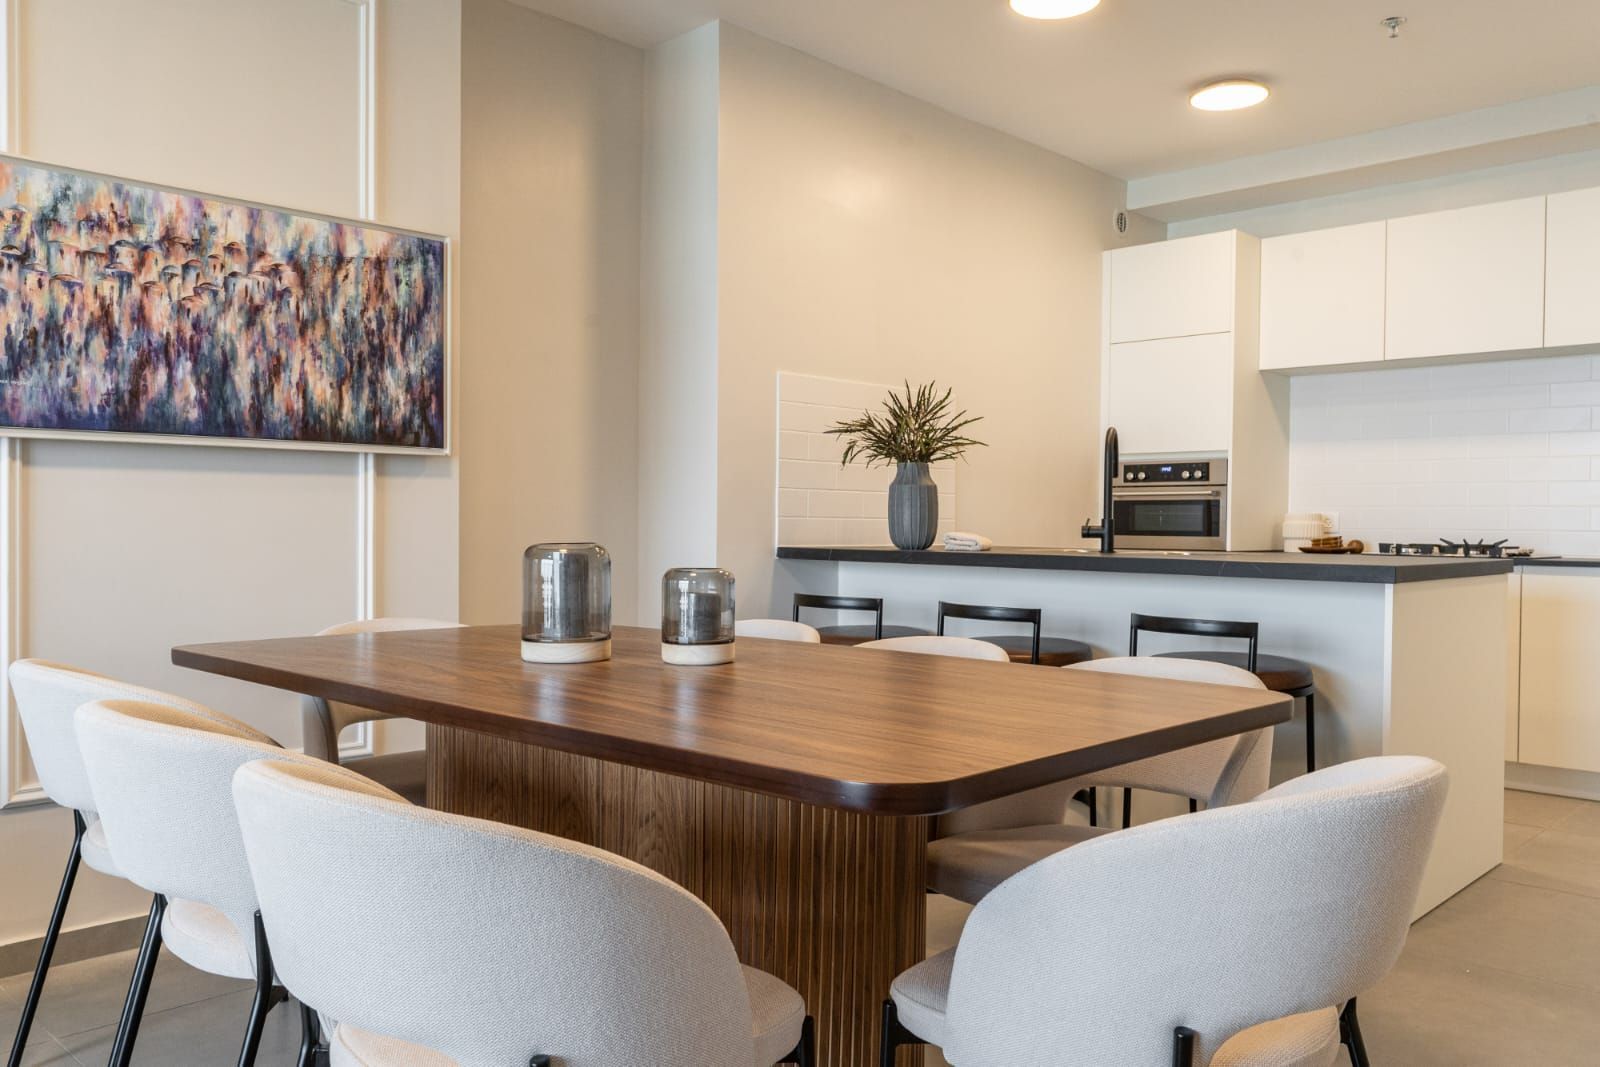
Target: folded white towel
pixel 956 541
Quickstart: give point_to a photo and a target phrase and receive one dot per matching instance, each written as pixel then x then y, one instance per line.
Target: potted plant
pixel 914 429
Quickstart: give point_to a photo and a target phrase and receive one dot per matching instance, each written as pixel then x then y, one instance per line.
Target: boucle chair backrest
pixel 164 780
pixel 778 630
pixel 1226 771
pixel 47 695
pixel 321 721
pixel 930 645
pixel 1216 921
pixel 486 942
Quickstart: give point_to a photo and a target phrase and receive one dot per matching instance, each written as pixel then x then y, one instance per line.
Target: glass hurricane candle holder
pixel 566 603
pixel 697 616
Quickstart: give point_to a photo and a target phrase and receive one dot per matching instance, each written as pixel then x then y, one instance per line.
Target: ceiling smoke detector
pixel 1393 24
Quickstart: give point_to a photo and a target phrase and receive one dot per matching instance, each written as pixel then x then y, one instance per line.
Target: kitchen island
pixel 1410 655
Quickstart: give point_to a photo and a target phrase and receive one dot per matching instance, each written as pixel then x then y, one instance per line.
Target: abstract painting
pixel 134 309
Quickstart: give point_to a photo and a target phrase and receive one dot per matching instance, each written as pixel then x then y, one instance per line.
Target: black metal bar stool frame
pixel 985 613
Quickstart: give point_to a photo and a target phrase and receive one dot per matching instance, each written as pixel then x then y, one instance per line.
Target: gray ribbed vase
pixel 913 507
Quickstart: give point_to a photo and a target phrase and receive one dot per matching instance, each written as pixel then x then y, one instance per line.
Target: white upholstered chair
pixel 439 940
pixel 930 645
pixel 778 630
pixel 322 721
pixel 1217 938
pixel 164 780
pixel 47 694
pixel 979 847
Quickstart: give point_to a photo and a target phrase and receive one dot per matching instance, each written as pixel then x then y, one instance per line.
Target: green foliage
pixel 914 427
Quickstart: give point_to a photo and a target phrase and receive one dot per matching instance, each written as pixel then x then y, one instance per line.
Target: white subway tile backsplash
pixel 826 447
pixel 808 531
pixel 1575 444
pixel 819 501
pixel 1581 493
pixel 1550 518
pixel 833 504
pixel 1544 420
pixel 1467 423
pixel 1554 469
pixel 1575 394
pixel 865 479
pixel 794 445
pixel 803 474
pixel 1554 369
pixel 1501 449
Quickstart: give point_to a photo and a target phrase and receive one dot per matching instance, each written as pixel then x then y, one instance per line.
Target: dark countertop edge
pixel 1380 570
pixel 1559 561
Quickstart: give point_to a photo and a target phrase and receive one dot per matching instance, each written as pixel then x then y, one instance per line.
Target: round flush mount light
pixel 1230 95
pixel 1052 9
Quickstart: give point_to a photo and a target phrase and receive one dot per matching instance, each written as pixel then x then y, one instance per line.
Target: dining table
pixel 793 790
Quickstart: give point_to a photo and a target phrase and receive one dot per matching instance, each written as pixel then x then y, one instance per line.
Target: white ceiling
pixel 1110 88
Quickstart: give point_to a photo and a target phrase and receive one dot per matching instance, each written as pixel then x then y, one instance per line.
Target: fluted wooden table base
pixel 830 901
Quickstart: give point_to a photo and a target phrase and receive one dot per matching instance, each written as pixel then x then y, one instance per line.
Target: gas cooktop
pixel 1446 547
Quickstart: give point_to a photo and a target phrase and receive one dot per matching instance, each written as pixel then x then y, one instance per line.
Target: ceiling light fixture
pixel 1230 95
pixel 1052 9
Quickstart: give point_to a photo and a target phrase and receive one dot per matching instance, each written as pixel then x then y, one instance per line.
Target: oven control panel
pixel 1203 471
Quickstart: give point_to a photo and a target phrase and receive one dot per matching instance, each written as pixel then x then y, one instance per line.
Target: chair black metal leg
pixel 264 999
pixel 1350 1035
pixel 805 1052
pixel 1311 732
pixel 144 968
pixel 893 1035
pixel 310 1036
pixel 48 949
pixel 1127 807
pixel 1184 1041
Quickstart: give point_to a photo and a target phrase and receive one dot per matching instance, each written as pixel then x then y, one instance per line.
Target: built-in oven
pixel 1171 503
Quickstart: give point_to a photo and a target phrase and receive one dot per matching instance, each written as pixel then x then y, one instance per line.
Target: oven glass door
pixel 1169 516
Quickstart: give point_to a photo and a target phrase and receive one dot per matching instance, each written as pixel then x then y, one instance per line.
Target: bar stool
pixel 1049 651
pixel 1281 674
pixel 852 635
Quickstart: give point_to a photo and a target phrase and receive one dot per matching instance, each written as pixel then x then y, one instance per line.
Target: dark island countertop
pixel 1291 566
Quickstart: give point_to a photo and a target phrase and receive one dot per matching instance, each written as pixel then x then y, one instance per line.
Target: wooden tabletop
pixel 884 732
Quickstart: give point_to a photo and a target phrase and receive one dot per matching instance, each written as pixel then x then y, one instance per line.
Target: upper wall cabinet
pixel 1172 288
pixel 1173 394
pixel 1322 297
pixel 1572 269
pixel 1466 281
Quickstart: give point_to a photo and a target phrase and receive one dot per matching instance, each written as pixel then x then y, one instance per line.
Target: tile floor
pixel 1504 973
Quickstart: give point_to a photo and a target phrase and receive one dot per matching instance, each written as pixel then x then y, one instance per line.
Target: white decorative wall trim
pixel 360 738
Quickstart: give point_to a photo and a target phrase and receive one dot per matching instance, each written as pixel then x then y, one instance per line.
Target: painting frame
pixel 447 383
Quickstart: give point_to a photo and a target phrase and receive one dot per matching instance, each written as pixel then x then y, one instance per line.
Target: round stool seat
pixel 1053 651
pixel 1281 674
pixel 855 635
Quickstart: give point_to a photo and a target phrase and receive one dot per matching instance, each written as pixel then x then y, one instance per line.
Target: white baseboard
pixel 1584 785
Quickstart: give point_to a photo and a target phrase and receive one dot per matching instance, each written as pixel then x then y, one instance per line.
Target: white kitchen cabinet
pixel 1174 394
pixel 1559 715
pixel 1466 281
pixel 1172 288
pixel 1572 269
pixel 1322 297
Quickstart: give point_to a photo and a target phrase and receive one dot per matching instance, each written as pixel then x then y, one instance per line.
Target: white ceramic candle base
pixel 566 651
pixel 697 655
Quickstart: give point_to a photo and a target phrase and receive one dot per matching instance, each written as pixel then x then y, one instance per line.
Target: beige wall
pixel 127 549
pixel 551 129
pixel 867 235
